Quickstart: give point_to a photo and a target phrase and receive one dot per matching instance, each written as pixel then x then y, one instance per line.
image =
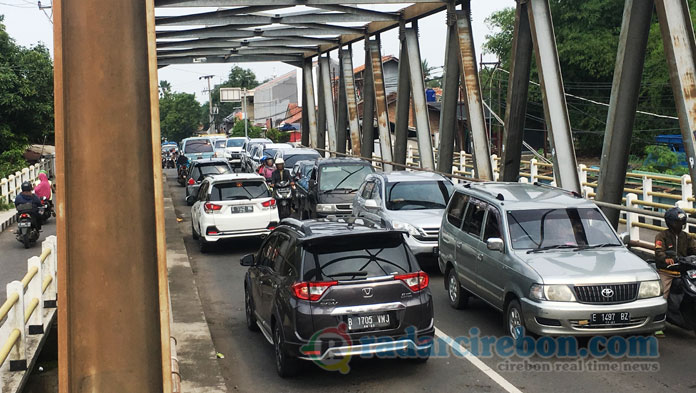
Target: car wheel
pixel 286 365
pixel 456 295
pixel 514 319
pixel 203 245
pixel 194 234
pixel 249 310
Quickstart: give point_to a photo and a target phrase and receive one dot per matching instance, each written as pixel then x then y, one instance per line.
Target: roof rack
pixel 550 187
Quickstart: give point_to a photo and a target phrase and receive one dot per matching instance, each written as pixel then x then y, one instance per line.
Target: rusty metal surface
pixel 678 39
pixel 449 124
pixel 425 143
pixel 553 95
pixel 341 108
pixel 628 72
pixel 380 102
pixel 368 97
pixel 403 102
pixel 472 89
pixel 109 252
pixel 351 100
pixel 517 94
pixel 309 109
pixel 327 95
pixel 321 110
pixel 305 118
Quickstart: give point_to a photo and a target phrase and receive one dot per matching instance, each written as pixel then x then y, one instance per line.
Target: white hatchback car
pixel 232 205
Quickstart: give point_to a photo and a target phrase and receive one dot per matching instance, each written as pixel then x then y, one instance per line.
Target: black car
pixel 292 156
pixel 315 276
pixel 331 187
pixel 200 169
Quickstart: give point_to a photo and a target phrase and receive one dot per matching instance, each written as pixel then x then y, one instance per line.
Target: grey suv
pixel 548 259
pixel 310 278
pixel 410 201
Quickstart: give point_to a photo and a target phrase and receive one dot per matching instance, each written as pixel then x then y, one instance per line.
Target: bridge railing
pixel 12 184
pixel 22 314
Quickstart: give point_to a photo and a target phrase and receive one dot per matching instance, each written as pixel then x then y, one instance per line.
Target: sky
pixel 28 26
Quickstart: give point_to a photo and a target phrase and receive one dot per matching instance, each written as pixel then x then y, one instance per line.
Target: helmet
pixel 26 186
pixel 280 161
pixel 675 218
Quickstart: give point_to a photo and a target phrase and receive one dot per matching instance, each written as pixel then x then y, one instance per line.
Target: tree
pixel 165 88
pixel 252 131
pixel 26 100
pixel 179 115
pixel 587 35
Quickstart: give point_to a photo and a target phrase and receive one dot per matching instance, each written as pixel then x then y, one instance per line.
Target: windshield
pixel 270 153
pixel 348 177
pixel 418 195
pixel 235 142
pixel 557 228
pixel 220 144
pixel 209 170
pixel 366 256
pixel 290 160
pixel 248 189
pixel 198 146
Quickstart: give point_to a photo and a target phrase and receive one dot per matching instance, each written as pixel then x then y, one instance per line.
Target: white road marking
pixel 477 362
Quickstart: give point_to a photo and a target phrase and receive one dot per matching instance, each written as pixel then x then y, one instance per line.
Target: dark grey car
pixel 311 278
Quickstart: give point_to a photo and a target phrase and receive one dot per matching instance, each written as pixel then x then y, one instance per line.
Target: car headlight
pixel 554 293
pixel 403 226
pixel 649 289
pixel 325 207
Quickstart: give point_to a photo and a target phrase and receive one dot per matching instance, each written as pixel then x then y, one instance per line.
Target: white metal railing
pixel 12 185
pixel 23 311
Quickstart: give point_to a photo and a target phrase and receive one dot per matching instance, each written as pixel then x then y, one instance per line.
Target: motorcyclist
pixel 266 169
pixel 281 174
pixel 27 196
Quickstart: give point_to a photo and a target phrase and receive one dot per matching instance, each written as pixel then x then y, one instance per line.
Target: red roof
pixel 385 59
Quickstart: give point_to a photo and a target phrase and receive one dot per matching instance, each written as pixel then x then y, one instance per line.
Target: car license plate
pixel 24 225
pixel 361 322
pixel 691 273
pixel 241 209
pixel 608 318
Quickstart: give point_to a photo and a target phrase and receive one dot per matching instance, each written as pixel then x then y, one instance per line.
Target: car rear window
pixel 290 160
pixel 198 146
pixel 217 169
pixel 235 142
pixel 244 189
pixel 357 257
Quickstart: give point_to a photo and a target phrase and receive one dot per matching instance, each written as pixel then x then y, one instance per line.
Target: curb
pixel 8 222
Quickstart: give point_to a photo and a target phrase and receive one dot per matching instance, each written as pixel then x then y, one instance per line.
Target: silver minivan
pixel 548 259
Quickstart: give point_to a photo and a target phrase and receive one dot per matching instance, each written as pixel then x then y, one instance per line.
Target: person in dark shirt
pixel 281 174
pixel 27 196
pixel 672 239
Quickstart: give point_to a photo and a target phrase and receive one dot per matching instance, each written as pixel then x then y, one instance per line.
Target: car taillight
pixel 414 281
pixel 211 207
pixel 191 182
pixel 269 203
pixel 311 291
pixel 24 215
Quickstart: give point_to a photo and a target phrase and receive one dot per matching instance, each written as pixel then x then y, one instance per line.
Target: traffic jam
pixel 347 258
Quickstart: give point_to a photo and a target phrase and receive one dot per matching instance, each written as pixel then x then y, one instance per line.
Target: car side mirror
pixel 371 204
pixel 495 244
pixel 625 238
pixel 247 260
pixel 190 200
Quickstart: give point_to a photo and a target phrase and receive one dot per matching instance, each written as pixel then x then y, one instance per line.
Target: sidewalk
pixel 198 364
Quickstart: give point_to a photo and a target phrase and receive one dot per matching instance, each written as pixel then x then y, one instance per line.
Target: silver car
pixel 548 259
pixel 409 201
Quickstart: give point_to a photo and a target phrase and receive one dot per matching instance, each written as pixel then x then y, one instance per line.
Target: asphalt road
pixel 13 255
pixel 248 364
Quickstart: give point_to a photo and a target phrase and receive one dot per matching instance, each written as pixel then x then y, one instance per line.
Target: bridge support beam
pixel 341 108
pixel 327 95
pixel 474 100
pixel 628 72
pixel 553 94
pixel 321 108
pixel 351 100
pixel 450 94
pixel 309 110
pixel 385 145
pixel 112 274
pixel 420 106
pixel 678 39
pixel 517 93
pixel 403 101
pixel 368 96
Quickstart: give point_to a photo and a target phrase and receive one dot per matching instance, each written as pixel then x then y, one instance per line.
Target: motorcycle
pixel 182 175
pixel 681 304
pixel 46 209
pixel 27 232
pixel 282 193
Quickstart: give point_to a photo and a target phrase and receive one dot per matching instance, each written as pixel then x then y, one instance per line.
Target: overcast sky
pixel 29 26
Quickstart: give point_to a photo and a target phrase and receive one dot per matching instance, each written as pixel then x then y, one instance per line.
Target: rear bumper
pixel 235 234
pixel 405 345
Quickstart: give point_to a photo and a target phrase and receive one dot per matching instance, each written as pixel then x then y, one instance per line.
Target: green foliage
pixel 26 100
pixel 662 159
pixel 587 36
pixel 179 114
pixel 238 130
pixel 278 136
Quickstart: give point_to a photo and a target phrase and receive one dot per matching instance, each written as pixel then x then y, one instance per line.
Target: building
pixel 272 98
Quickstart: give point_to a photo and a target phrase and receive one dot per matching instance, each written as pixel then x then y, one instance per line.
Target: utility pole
pixel 210 103
pixel 244 109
